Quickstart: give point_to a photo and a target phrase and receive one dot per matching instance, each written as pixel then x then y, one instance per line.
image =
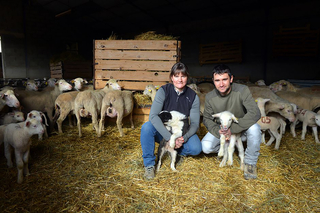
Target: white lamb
pixel 308 118
pixel 270 124
pixel 226 150
pixel 12 117
pixel 17 136
pixel 150 91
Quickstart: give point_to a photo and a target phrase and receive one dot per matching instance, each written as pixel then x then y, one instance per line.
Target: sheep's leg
pixel 263 138
pixel 61 119
pixel 103 115
pixel 173 154
pixel 26 162
pixel 20 166
pixel 293 128
pixel 119 123
pixel 315 132
pixel 161 152
pixel 222 143
pixel 172 141
pixel 77 113
pixel 278 138
pixel 304 131
pixel 272 138
pixel 7 153
pixel 231 149
pixel 131 121
pixel 241 151
pixel 95 121
pixel 225 155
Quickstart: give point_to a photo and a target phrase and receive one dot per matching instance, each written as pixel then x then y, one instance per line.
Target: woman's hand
pixel 226 133
pixel 179 142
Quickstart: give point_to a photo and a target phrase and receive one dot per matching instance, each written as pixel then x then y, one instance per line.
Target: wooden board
pixel 134 63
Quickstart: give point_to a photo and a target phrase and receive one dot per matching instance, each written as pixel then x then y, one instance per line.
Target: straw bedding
pixel 90 174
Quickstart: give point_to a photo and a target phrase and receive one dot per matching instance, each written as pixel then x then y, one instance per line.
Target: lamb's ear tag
pixel 256 101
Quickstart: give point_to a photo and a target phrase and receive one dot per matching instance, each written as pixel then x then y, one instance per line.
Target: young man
pixel 237 99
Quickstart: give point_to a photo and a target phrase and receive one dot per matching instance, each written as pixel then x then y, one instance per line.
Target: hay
pixel 141 100
pixel 151 35
pixel 90 174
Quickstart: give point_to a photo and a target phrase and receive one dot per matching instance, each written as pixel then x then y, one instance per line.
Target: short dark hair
pixel 179 68
pixel 221 69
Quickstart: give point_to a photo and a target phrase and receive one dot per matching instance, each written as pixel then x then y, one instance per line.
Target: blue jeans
pixel 149 135
pixel 211 144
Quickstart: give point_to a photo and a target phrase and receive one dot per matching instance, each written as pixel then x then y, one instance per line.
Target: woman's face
pixel 179 81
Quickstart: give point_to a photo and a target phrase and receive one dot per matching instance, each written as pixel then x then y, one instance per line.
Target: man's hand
pixel 226 133
pixel 179 142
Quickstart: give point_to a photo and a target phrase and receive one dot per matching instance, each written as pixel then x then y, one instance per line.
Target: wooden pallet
pixel 221 52
pixel 71 69
pixel 295 42
pixel 134 63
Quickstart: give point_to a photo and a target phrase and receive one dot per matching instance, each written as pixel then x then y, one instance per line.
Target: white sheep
pixel 308 118
pixel 150 91
pixel 226 150
pixel 80 84
pixel 202 96
pixel 44 100
pixel 206 87
pixel 31 85
pixel 8 97
pixel 177 123
pixel 17 136
pixel 12 117
pixel 117 104
pixel 270 124
pixel 37 115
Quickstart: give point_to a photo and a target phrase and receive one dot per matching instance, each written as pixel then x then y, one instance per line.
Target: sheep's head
pixel 226 118
pixel 317 119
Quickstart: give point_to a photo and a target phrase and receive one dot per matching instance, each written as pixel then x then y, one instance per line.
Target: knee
pixel 206 147
pixel 146 127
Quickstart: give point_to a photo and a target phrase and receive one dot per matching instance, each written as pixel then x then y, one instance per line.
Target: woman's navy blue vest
pixel 181 103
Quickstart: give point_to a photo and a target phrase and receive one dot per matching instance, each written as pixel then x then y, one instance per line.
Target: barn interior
pixel 263 40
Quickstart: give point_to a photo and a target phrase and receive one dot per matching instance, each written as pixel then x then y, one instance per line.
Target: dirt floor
pixel 90 174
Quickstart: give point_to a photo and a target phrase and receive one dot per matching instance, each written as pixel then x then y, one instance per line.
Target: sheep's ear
pixel 217 115
pixel 28 123
pixel 29 115
pixel 235 119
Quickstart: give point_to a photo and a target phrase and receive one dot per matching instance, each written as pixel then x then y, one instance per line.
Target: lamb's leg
pixel 225 155
pixel 315 132
pixel 304 131
pixel 293 128
pixel 103 116
pixel 278 138
pixel 20 166
pixel 263 138
pixel 161 151
pixel 231 149
pixel 77 113
pixel 172 141
pixel 173 154
pixel 222 143
pixel 131 121
pixel 61 119
pixel 95 121
pixel 26 162
pixel 241 151
pixel 7 153
pixel 272 137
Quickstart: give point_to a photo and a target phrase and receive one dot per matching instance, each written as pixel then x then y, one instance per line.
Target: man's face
pixel 222 83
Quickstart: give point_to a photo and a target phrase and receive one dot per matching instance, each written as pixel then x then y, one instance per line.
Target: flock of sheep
pixel 279 104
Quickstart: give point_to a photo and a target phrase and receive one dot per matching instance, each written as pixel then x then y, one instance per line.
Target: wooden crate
pixel 221 52
pixel 134 63
pixel 71 69
pixel 295 42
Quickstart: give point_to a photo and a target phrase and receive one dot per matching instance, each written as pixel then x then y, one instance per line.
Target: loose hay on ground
pixel 90 174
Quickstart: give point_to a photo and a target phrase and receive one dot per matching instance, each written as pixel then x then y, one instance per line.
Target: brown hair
pixel 179 68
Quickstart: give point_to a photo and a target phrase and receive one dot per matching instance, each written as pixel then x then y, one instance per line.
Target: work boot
pixel 250 171
pixel 149 172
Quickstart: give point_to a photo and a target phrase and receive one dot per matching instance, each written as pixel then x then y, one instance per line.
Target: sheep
pixel 178 124
pixel 206 87
pixel 8 98
pixel 43 101
pixel 116 103
pixel 276 103
pixel 270 124
pixel 17 136
pixel 31 85
pixel 65 103
pixel 202 96
pixel 308 118
pixel 80 84
pixel 34 114
pixel 150 91
pixel 226 150
pixel 12 117
pixel 260 83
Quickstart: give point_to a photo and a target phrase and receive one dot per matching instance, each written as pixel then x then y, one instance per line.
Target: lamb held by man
pixel 228 143
pixel 176 123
